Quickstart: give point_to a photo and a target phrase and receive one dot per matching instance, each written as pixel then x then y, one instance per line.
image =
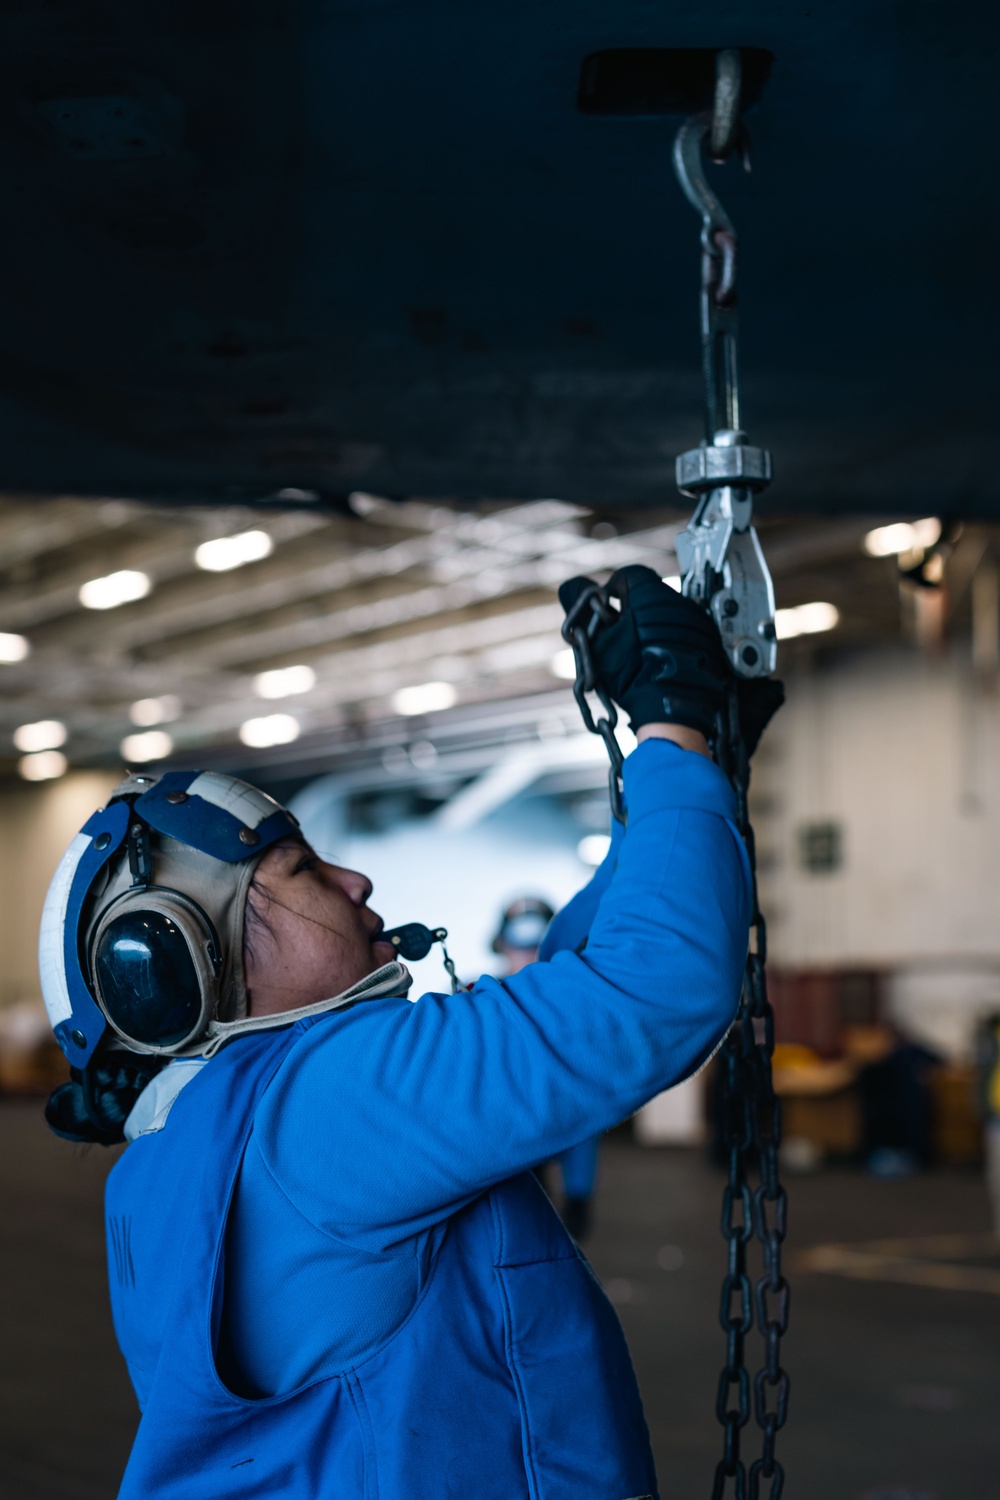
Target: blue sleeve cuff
pixel 659 776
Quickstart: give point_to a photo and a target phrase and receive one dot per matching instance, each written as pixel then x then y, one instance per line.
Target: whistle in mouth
pixel 413 940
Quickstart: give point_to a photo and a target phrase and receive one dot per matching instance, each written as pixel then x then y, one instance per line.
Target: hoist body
pixel 720 556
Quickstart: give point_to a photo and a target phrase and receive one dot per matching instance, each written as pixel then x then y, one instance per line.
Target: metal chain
pixel 449 964
pixel 751 1119
pixel 751 1127
pixel 591 611
pixel 751 1113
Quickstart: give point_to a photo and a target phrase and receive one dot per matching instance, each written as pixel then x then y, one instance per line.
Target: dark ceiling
pixel 295 245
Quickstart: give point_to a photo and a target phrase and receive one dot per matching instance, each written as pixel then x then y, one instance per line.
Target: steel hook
pixel 689 166
pixel 718 234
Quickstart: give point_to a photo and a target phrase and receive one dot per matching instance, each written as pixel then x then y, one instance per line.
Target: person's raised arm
pixel 410 1110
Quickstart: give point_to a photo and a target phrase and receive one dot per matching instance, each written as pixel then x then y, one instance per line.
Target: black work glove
pixel 662 659
pixel 759 698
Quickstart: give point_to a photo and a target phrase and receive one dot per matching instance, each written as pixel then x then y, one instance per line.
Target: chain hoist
pixel 723 567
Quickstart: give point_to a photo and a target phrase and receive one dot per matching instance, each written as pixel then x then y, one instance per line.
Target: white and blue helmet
pixel 142 930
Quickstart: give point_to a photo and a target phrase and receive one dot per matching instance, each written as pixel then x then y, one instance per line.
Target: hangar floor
pixel 895 1386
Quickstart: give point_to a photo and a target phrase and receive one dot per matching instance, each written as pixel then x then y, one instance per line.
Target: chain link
pixel 449 964
pixel 752 1128
pixel 751 1118
pixel 591 611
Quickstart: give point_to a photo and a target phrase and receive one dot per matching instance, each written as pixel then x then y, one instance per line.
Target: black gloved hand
pixel 662 659
pixel 760 698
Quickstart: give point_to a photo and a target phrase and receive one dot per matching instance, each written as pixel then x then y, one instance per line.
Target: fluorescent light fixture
pixel 284 682
pixel 563 665
pixel 13 647
pixel 593 847
pixel 673 581
pixel 805 619
pixel 270 729
pixel 902 536
pixel 46 734
pixel 137 749
pixel 227 552
pixel 45 765
pixel 425 698
pixel 149 711
pixel 116 588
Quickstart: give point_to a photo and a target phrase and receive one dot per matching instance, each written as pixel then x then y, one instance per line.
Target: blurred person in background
pixel 523 925
pixel 331 1269
pixel 522 930
pixel 897 1108
pixel 987 1056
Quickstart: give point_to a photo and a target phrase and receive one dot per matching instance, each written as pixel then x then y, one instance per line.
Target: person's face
pixel 323 937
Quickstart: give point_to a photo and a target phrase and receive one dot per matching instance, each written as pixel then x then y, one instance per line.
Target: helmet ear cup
pixel 154 965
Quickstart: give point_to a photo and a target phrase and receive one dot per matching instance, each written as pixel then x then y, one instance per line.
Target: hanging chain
pixel 751 1120
pixel 751 1127
pixel 724 569
pixel 589 614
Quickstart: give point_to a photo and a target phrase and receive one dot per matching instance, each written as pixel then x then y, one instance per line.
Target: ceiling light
pixel 593 847
pixel 902 536
pixel 46 734
pixel 563 664
pixel 137 749
pixel 117 588
pixel 425 698
pixel 148 711
pixel 805 619
pixel 46 765
pixel 227 552
pixel 271 729
pixel 283 682
pixel 13 647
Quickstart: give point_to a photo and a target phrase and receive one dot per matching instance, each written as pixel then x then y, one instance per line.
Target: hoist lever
pixel 720 557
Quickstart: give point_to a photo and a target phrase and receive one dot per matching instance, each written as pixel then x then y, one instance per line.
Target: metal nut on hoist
pixel 722 462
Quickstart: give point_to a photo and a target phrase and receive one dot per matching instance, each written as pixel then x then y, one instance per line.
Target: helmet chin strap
pixel 391 979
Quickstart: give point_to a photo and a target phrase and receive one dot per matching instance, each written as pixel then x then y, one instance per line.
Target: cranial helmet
pixel 142 929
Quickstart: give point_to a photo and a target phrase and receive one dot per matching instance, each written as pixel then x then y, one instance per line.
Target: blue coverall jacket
pixel 330 1276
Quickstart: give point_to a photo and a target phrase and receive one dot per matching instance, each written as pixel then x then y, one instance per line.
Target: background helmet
pixel 142 929
pixel 523 924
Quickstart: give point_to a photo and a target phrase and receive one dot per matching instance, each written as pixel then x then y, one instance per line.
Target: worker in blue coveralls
pixel 332 1274
pixel 519 939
